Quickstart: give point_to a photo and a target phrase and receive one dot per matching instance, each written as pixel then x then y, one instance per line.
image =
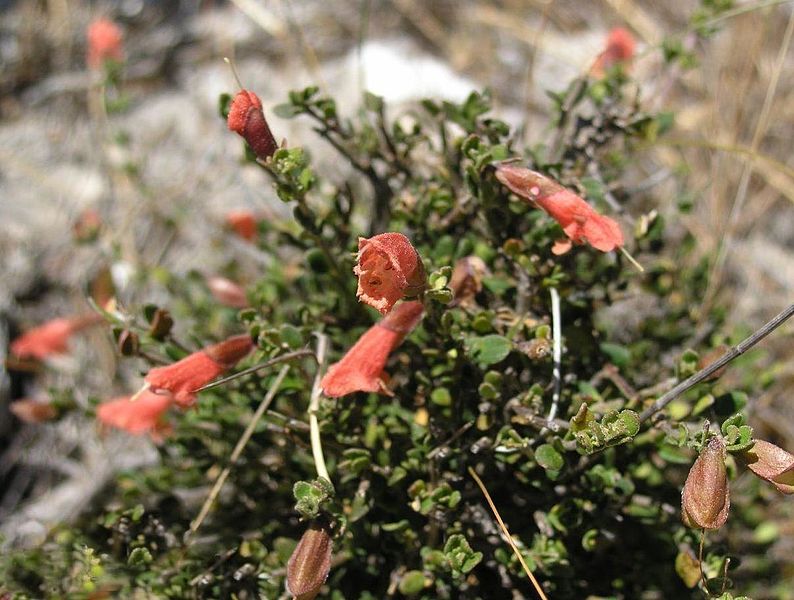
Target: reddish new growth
pixel 580 221
pixel 619 50
pixel 184 377
pixel 388 270
pixel 243 223
pixel 50 338
pixel 361 369
pixel 104 42
pixel 137 415
pixel 247 118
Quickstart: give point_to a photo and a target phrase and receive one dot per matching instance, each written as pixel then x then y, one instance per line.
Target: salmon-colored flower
pixel 184 377
pixel 361 369
pixel 388 270
pixel 771 463
pixel 51 338
pixel 33 411
pixel 705 499
pixel 580 221
pixel 619 50
pixel 139 415
pixel 104 42
pixel 247 119
pixel 243 223
pixel 227 292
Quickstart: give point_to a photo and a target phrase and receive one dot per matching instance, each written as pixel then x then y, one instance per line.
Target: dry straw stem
pixel 507 535
pixel 723 360
pixel 238 450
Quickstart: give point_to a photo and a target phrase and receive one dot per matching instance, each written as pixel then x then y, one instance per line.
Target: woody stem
pixel 314 406
pixel 723 360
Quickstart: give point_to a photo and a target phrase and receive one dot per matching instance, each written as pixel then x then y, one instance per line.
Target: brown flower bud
pixel 771 463
pixel 161 324
pixel 128 344
pixel 705 499
pixel 33 411
pixel 466 280
pixel 310 563
pixel 247 119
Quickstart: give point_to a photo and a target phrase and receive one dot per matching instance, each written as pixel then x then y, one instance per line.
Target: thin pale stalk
pixel 556 328
pixel 314 406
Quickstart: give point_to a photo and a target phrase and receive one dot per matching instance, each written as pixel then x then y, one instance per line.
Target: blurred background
pixel 157 167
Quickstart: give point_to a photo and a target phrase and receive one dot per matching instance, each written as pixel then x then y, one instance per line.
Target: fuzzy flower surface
pixel 388 269
pixel 580 221
pixel 104 42
pixel 142 415
pixel 247 119
pixel 361 369
pixel 619 50
pixel 771 463
pixel 51 337
pixel 705 499
pixel 182 378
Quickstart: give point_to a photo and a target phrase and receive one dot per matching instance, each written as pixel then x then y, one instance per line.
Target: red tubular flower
pixel 619 50
pixel 773 464
pixel 104 42
pixel 144 414
pixel 51 337
pixel 227 292
pixel 580 222
pixel 388 270
pixel 243 223
pixel 361 369
pixel 247 119
pixel 184 377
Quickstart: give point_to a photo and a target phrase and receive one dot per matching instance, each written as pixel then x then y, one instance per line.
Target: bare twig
pixel 723 360
pixel 268 363
pixel 238 450
pixel 314 406
pixel 507 535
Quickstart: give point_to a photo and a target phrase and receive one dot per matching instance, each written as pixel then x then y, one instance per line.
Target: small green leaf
pixel 488 350
pixel 549 458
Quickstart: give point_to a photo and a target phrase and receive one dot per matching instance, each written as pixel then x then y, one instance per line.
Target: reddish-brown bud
pixel 310 563
pixel 33 411
pixel 771 463
pixel 705 499
pixel 161 324
pixel 128 343
pixel 247 119
pixel 227 292
pixel 466 280
pixel 243 223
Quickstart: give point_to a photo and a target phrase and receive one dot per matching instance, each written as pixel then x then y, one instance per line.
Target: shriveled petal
pixel 772 463
pixel 705 499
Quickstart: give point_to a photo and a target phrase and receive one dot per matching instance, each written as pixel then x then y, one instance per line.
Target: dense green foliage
pixel 593 501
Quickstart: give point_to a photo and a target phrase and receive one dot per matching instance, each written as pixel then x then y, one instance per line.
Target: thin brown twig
pixel 238 450
pixel 255 368
pixel 723 360
pixel 507 535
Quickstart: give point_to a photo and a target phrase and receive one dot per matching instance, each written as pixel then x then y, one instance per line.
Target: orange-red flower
pixel 243 223
pixel 184 377
pixel 104 42
pixel 388 269
pixel 140 415
pixel 580 222
pixel 771 463
pixel 227 292
pixel 361 369
pixel 247 119
pixel 619 50
pixel 50 338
